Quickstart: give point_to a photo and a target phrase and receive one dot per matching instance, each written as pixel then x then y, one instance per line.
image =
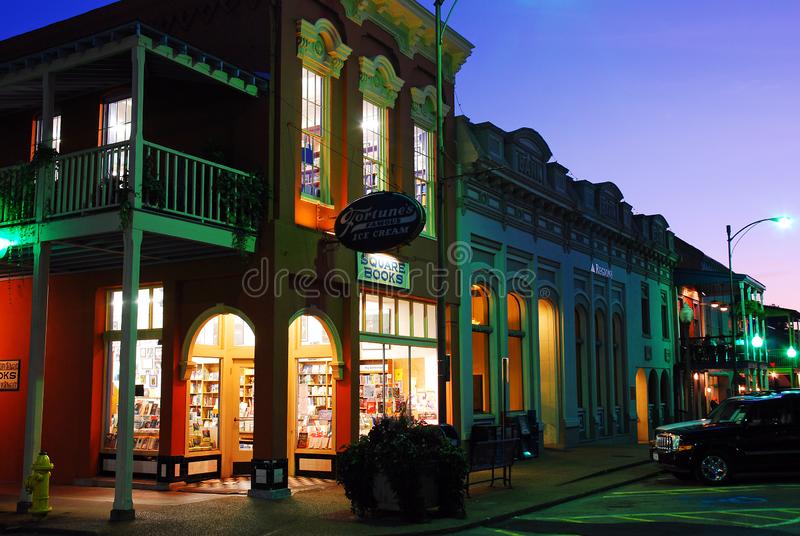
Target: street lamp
pixel 784 222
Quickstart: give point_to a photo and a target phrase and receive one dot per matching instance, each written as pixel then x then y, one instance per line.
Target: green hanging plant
pixel 242 204
pixel 154 189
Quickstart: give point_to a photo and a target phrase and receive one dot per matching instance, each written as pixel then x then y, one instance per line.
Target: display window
pixel 312 392
pixel 516 373
pixel 147 401
pixel 398 370
pixel 204 393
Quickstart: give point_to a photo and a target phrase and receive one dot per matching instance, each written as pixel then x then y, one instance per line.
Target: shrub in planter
pixel 406 453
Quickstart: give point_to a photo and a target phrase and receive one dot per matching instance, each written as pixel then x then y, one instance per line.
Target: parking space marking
pixel 706 516
pixel 758 516
pixel 708 519
pixel 780 524
pixel 696 490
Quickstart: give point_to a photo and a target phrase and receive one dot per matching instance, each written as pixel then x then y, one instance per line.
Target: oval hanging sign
pixel 379 222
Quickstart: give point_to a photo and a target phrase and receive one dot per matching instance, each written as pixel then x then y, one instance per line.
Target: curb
pixel 32 529
pixel 534 508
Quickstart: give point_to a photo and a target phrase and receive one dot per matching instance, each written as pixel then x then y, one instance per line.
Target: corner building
pixel 566 296
pixel 142 334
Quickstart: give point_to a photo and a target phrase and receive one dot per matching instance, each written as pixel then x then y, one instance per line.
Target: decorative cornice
pixel 413 28
pixel 423 106
pixel 378 81
pixel 320 47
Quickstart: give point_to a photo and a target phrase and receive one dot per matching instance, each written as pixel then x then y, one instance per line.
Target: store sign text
pixel 602 271
pixel 380 221
pixel 9 375
pixel 382 269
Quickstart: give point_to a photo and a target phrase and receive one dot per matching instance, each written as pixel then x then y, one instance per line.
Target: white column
pixel 123 493
pixel 35 399
pixel 132 240
pixel 41 274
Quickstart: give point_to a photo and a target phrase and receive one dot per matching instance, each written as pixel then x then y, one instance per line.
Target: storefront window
pixel 311 358
pixel 147 406
pixel 147 379
pixel 397 377
pixel 481 392
pixel 242 334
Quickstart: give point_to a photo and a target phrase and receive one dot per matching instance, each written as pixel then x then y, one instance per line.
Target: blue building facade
pixel 567 304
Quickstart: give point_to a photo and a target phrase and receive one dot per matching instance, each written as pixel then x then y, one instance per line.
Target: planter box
pixel 387 498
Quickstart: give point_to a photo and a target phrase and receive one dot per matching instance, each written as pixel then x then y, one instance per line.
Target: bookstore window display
pixel 204 393
pixel 147 402
pixel 314 393
pixel 398 367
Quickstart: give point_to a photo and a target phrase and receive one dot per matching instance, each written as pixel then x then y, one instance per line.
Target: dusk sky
pixel 691 106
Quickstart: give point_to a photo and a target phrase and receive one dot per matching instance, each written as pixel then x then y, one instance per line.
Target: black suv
pixel 752 433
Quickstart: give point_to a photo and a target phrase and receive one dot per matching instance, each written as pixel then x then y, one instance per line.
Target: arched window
pixel 481 330
pixel 516 374
pixel 620 368
pixel 582 368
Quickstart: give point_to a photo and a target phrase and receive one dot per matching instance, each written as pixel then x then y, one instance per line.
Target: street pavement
pixel 556 477
pixel 665 505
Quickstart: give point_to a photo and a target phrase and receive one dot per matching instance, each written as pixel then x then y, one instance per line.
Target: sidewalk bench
pixel 491 455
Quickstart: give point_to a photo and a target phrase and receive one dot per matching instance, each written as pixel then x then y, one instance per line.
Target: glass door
pixel 239 451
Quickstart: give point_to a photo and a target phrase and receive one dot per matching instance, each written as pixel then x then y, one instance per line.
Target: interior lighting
pixel 724 308
pixel 714 305
pixel 696 376
pixel 5 243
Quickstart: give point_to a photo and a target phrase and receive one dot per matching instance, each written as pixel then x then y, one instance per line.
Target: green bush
pixel 403 450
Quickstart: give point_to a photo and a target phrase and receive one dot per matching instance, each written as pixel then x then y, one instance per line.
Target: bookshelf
pixel 314 404
pixel 204 392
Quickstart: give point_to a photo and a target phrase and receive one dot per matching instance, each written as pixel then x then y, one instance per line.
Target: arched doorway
pixel 221 390
pixel 550 373
pixel 311 420
pixel 642 416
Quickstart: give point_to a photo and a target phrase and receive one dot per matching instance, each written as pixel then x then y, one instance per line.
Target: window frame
pixel 104 115
pixel 382 133
pixel 647 322
pixel 484 332
pixel 323 138
pixel 430 181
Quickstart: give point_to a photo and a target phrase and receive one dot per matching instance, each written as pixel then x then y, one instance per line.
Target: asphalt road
pixel 665 505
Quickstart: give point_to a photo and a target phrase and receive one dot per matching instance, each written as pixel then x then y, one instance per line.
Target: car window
pixel 770 413
pixel 731 412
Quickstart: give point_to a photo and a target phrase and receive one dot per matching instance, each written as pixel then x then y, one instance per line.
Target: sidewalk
pixel 556 477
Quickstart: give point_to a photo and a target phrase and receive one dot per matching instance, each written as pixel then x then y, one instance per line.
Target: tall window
pixel 516 373
pixel 116 121
pixel 312 134
pixel 664 316
pixel 602 376
pixel 37 135
pixel 645 309
pixel 481 392
pixel 423 175
pixel 373 124
pixel 147 405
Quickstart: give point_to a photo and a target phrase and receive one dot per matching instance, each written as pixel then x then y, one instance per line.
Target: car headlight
pixel 676 442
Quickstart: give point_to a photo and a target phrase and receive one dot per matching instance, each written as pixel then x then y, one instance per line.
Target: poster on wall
pixel 9 374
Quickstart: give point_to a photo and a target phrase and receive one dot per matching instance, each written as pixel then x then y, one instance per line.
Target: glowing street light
pixel 5 243
pixel 784 222
pixel 791 353
pixel 757 341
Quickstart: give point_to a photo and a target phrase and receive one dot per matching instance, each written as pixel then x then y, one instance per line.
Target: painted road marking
pixel 706 516
pixel 696 490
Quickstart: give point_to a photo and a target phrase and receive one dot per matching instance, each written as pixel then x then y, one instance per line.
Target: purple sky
pixel 691 106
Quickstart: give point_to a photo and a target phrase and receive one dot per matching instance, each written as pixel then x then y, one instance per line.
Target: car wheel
pixel 683 476
pixel 714 468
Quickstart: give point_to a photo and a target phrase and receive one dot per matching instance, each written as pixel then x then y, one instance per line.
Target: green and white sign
pixel 383 269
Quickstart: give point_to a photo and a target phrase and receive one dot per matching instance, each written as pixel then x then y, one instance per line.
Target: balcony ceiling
pixel 98 76
pixel 105 252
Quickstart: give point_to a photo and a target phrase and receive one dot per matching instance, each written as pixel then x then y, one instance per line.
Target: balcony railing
pixel 98 179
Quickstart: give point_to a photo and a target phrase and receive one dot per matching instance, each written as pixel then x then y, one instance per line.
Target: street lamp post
pixel 783 222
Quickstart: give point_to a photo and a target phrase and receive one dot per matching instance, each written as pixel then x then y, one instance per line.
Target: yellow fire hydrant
pixel 38 485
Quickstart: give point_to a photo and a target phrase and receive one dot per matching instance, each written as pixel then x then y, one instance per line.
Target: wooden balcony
pixel 89 193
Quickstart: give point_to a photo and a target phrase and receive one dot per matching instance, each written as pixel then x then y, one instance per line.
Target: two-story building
pixel 570 310
pixel 712 366
pixel 167 202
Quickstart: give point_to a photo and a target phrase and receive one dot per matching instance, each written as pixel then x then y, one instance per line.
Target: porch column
pixel 123 481
pixel 35 399
pixel 132 242
pixel 41 274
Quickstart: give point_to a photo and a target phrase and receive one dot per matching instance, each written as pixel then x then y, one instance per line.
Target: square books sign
pixel 9 375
